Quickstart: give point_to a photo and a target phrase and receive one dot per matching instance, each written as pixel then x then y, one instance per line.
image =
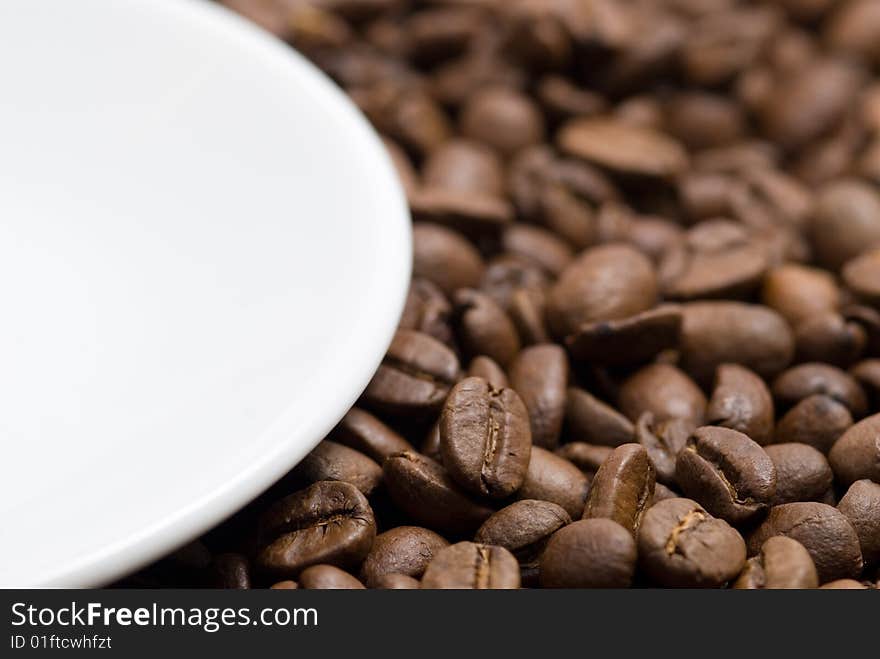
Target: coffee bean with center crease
pixel 663 440
pixel 781 563
pixel 824 531
pixel 802 473
pixel 728 473
pixel 861 506
pixel 682 546
pixel 403 550
pixel 856 454
pixel 414 378
pixel 539 374
pixel 591 553
pixel 523 528
pixel 469 565
pixel 421 488
pixel 485 439
pixel 741 401
pixel 328 522
pixel 554 479
pixel 623 488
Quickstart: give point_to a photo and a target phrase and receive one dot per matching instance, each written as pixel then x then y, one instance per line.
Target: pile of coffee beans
pixel 642 342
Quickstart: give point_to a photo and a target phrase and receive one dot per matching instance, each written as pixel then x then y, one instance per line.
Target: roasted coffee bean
pixel 830 338
pixel 844 584
pixel 445 258
pixel 487 368
pixel 330 461
pixel 475 216
pixel 867 374
pixel 781 563
pixel 846 221
pixel 661 493
pixel 527 310
pixel 817 421
pixel 714 333
pixel 231 572
pixel 485 439
pixel 802 473
pixel 741 401
pixel 554 479
pixel 464 166
pixel 856 454
pixel 591 553
pixel 504 119
pixel 861 506
pixel 483 328
pixel 663 441
pixel 469 565
pixel 628 341
pixel 523 528
pixel 728 473
pixel 547 251
pixel 362 431
pixel 415 376
pixel 854 28
pixel 431 446
pixel 328 522
pixel 405 550
pixel 804 380
pixel 396 582
pixel 862 276
pixel 664 391
pixel 422 489
pixel 328 577
pixel 799 292
pixel 287 584
pixel 623 488
pixel 682 546
pixel 825 532
pixel 539 374
pixel 590 420
pixel 507 274
pixel 427 310
pixel 604 283
pixel 586 457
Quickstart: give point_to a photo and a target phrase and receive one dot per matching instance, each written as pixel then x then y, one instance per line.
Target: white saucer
pixel 203 256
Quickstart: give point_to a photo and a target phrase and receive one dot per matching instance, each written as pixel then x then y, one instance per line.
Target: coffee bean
pixel 741 401
pixel 861 506
pixel 487 368
pixel 404 550
pixel 728 473
pixel 445 258
pixel 854 27
pixel 623 488
pixel 714 333
pixel 592 553
pixel 474 215
pixel 483 328
pixel 682 546
pixel 507 274
pixel 527 310
pixel 523 528
pixel 862 273
pixel 781 563
pixel 590 420
pixel 831 338
pixel 396 582
pixel 554 479
pixel 431 446
pixel 330 461
pixel 664 391
pixel 422 489
pixel 603 283
pixel 415 376
pixel 804 380
pixel 538 245
pixel 825 533
pixel 663 441
pixel 846 221
pixel 469 565
pixel 622 147
pixel 539 374
pixel 485 439
pixel 802 473
pixel 586 457
pixel 464 166
pixel 503 119
pixel 817 421
pixel 662 492
pixel 427 310
pixel 799 292
pixel 365 433
pixel 231 571
pixel 328 577
pixel 856 454
pixel 628 341
pixel 844 584
pixel 287 584
pixel 328 522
